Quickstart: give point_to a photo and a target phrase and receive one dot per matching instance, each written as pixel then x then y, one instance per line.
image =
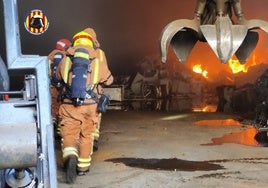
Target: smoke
pixel 127 30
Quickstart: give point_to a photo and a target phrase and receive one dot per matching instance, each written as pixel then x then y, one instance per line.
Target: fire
pixel 208 108
pixel 236 67
pixel 198 69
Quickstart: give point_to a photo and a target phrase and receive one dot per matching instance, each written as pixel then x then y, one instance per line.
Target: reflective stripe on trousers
pixel 68 151
pixel 83 163
pixel 96 133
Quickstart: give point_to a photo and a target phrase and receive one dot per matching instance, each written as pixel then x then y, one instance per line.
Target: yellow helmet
pixel 82 38
pixel 94 36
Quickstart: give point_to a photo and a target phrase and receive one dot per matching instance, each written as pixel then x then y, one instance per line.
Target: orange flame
pixel 236 67
pixel 198 69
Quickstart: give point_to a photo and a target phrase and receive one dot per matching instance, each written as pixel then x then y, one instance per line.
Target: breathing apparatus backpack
pixel 78 91
pixel 80 69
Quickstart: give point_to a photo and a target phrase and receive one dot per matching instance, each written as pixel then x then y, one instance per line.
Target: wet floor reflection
pixel 167 164
pixel 175 164
pixel 248 137
pixel 218 122
pixel 183 104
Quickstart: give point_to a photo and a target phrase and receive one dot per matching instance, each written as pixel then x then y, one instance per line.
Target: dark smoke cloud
pixel 128 30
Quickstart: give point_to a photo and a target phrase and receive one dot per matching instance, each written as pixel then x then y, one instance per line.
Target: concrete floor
pixel 170 149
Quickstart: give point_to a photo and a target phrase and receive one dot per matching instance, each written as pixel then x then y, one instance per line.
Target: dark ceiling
pixel 128 30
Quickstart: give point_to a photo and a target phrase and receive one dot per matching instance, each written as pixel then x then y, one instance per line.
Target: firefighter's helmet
pixel 94 36
pixel 63 44
pixel 82 38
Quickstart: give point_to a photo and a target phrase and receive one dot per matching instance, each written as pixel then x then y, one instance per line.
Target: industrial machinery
pixel 213 24
pixel 27 155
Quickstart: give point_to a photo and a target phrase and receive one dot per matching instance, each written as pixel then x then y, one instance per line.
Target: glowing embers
pixel 198 69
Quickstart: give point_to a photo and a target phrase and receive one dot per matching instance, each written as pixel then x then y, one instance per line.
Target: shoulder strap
pixel 95 72
pixel 66 69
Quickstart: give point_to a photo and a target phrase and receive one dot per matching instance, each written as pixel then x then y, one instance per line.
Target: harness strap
pixel 70 103
pixel 66 70
pixel 67 94
pixel 107 78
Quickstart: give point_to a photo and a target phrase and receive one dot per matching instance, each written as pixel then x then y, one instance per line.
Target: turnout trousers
pixel 78 123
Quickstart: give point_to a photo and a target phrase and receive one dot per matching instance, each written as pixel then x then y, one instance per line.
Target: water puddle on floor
pixel 249 136
pixel 167 164
pixel 245 137
pixel 171 104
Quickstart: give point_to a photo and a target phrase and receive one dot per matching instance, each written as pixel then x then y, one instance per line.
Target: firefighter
pixel 79 118
pixel 55 57
pixel 80 39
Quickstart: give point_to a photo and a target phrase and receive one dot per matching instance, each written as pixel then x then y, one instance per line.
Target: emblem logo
pixel 36 22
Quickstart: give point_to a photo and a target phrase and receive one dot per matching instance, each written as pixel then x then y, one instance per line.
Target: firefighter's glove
pixel 104 101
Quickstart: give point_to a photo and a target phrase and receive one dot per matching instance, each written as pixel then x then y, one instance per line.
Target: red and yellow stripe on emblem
pixel 44 19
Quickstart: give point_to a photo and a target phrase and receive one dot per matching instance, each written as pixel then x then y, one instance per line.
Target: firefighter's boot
pixel 71 166
pixel 95 145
